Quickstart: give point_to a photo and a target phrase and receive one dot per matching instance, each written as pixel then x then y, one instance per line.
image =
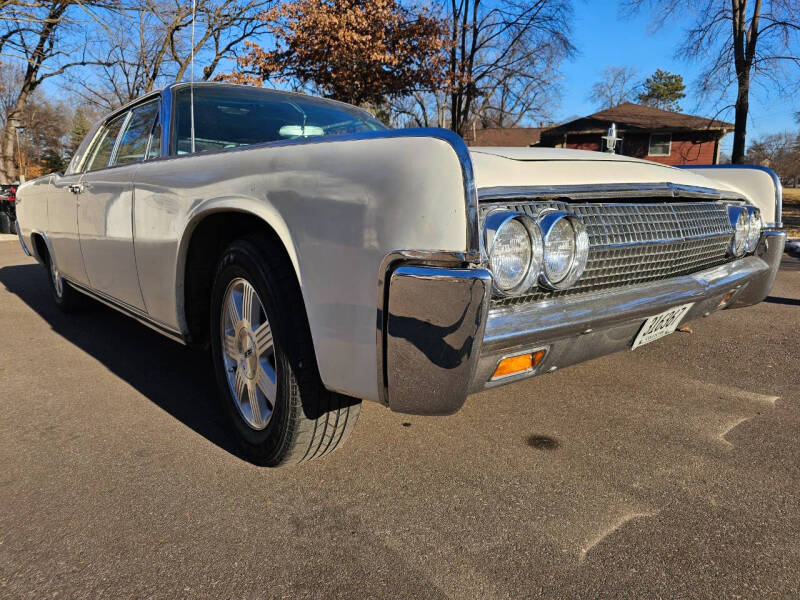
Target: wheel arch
pixel 40 245
pixel 207 233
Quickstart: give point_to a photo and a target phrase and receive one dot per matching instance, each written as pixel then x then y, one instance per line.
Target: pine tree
pixel 80 127
pixel 663 90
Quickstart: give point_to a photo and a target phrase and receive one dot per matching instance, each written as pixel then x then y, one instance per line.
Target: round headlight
pixel 755 228
pixel 514 248
pixel 740 220
pixel 566 249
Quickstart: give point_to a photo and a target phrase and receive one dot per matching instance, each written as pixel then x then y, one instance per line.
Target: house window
pixel 660 144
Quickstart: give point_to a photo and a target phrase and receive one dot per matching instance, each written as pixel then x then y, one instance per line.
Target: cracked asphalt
pixel 668 472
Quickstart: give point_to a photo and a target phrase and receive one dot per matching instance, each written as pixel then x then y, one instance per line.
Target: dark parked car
pixel 8 211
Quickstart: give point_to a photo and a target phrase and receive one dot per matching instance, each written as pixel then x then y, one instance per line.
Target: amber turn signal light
pixel 726 299
pixel 513 365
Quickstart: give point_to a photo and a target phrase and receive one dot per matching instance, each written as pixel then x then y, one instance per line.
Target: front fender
pixel 758 184
pixel 256 207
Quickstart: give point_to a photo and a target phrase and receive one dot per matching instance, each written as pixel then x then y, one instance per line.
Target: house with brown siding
pixel 644 132
pixel 504 136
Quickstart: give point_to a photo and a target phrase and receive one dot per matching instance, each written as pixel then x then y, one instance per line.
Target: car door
pixel 61 212
pixel 105 210
pixel 62 231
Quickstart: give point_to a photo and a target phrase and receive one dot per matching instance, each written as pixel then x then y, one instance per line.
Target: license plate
pixel 660 325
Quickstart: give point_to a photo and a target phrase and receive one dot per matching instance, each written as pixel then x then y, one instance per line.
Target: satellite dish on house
pixel 611 138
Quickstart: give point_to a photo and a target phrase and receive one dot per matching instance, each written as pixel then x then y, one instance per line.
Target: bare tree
pixel 43 122
pixel 151 45
pixel 739 41
pixel 511 96
pixel 615 86
pixel 503 56
pixel 780 152
pixel 47 38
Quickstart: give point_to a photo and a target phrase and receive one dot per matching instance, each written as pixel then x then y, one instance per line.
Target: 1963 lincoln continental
pixel 326 259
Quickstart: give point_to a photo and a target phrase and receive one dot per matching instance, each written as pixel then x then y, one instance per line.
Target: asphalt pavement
pixel 668 472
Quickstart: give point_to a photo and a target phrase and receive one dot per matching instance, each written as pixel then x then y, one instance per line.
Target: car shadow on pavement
pixel 178 379
pixel 779 300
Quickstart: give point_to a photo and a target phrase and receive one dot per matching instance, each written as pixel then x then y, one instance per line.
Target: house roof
pixel 638 116
pixel 501 136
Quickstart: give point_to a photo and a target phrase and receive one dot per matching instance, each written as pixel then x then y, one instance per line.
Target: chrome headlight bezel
pixel 493 224
pixel 739 218
pixel 755 228
pixel 580 255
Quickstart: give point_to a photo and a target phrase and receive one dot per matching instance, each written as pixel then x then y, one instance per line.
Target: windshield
pixel 229 117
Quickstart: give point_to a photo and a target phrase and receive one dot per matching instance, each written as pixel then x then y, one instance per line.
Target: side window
pixel 100 154
pixel 81 152
pixel 133 143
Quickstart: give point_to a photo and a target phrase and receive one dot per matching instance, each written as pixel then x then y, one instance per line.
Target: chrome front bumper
pixel 443 341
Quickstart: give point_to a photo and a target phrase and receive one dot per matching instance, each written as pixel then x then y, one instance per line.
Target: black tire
pixel 12 228
pixel 5 223
pixel 66 298
pixel 307 420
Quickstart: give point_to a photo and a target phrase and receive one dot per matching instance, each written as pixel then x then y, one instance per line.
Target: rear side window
pixel 100 154
pixel 133 143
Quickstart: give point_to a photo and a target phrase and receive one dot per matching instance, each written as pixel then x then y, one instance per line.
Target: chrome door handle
pixel 76 188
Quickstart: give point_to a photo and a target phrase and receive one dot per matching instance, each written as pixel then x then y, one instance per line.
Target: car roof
pixel 172 86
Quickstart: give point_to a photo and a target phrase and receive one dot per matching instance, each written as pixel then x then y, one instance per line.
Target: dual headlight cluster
pixel 746 222
pixel 550 251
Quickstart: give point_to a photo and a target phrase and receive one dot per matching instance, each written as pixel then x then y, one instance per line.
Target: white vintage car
pixel 326 259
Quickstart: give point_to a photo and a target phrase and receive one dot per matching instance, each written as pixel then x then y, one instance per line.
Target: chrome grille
pixel 636 243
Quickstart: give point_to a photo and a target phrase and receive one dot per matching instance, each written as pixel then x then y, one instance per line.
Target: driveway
pixel 668 472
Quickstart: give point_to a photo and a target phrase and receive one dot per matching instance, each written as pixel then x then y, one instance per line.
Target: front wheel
pixel 5 223
pixel 264 360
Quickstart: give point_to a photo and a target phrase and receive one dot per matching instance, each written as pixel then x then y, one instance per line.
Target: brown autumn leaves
pixel 356 51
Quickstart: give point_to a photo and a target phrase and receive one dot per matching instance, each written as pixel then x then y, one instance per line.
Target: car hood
pixel 520 167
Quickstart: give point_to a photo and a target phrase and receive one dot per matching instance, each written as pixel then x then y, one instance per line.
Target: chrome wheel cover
pixel 248 353
pixel 58 282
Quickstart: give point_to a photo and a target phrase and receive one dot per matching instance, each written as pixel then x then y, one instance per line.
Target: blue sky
pixel 606 38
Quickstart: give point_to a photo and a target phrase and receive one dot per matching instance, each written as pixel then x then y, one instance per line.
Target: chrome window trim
pixel 124 130
pixel 85 167
pixel 165 115
pixel 778 223
pixel 81 169
pixel 112 162
pixel 81 158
